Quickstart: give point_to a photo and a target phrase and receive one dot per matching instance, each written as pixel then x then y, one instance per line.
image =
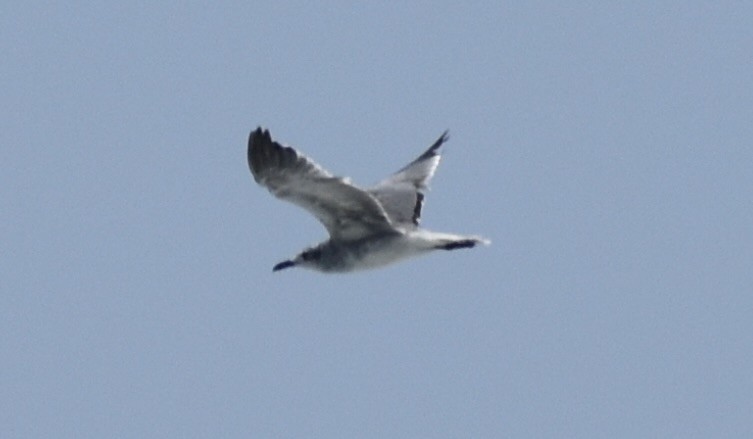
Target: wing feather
pixel 402 193
pixel 346 211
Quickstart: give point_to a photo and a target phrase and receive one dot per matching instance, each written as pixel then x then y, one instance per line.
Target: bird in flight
pixel 368 228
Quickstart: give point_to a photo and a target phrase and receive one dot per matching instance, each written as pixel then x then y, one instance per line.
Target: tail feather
pixel 448 241
pixel 469 242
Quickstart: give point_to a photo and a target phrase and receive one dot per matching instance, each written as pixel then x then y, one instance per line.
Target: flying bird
pixel 368 228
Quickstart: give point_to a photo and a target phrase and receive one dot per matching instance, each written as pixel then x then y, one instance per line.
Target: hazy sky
pixel 604 149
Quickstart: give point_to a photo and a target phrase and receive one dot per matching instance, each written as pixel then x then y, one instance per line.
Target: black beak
pixel 283 264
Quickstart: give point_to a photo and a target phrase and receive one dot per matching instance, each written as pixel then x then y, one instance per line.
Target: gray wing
pixel 402 194
pixel 345 210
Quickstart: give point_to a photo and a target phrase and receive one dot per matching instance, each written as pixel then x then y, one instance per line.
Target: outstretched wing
pixel 402 194
pixel 347 211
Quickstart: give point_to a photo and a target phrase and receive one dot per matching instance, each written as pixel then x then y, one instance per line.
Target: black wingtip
pixel 258 139
pixel 259 131
pixel 432 150
pixel 257 136
pixel 442 139
pixel 445 135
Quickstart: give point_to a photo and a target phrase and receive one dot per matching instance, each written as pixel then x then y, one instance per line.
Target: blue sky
pixel 605 149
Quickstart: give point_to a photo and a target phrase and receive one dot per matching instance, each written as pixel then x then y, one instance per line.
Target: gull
pixel 368 228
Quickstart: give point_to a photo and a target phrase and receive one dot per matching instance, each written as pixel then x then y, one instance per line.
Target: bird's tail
pixel 449 241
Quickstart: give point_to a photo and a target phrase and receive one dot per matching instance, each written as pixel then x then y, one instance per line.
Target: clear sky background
pixel 605 149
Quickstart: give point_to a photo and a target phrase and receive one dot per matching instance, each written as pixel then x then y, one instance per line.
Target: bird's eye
pixel 310 255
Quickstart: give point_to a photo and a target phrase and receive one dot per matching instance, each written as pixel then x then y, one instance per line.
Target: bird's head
pixel 308 258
